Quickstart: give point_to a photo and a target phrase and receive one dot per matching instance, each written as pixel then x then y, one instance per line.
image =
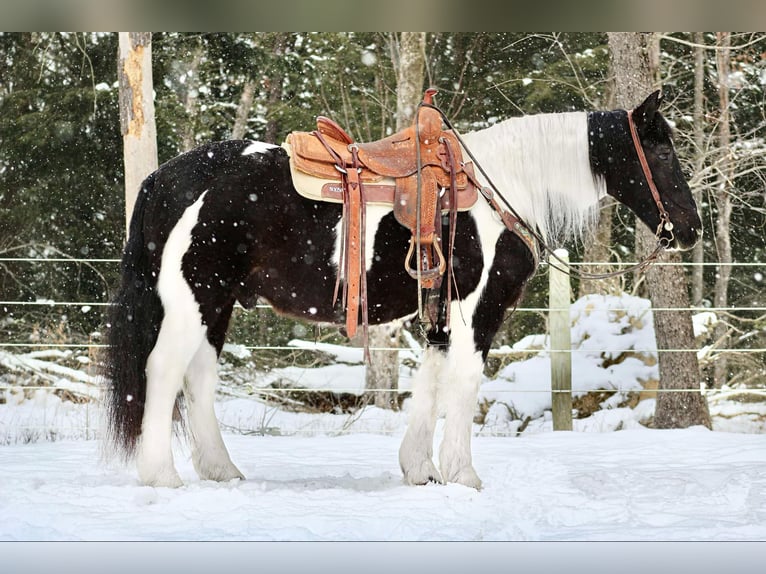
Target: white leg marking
pixel 464 368
pixel 451 383
pixel 464 365
pixel 180 335
pixel 209 454
pixel 416 450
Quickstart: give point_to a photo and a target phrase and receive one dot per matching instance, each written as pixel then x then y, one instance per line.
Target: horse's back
pixel 220 168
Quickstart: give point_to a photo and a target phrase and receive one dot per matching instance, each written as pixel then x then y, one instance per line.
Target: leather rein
pixel 510 218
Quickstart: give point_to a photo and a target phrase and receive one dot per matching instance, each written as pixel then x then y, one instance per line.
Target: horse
pixel 223 224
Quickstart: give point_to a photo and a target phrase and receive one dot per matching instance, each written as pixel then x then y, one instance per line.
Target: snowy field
pixel 335 477
pixel 688 484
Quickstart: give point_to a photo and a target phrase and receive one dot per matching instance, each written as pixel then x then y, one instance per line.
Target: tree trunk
pixel 191 100
pixel 597 248
pixel 139 132
pixel 409 76
pixel 678 405
pixel 239 129
pixel 698 253
pixel 274 91
pixel 723 204
pixel 382 377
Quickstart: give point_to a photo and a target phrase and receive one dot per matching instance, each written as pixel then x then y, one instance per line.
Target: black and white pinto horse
pixel 222 224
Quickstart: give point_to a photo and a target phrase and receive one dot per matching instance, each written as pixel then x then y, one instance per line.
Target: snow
pixel 689 484
pixel 335 476
pixel 600 326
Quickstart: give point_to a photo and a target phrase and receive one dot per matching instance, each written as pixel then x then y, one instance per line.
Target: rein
pixel 665 223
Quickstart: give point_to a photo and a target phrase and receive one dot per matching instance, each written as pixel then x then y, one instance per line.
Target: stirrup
pixel 425 274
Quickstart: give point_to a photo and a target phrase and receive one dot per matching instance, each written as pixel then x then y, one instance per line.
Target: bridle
pixel 665 223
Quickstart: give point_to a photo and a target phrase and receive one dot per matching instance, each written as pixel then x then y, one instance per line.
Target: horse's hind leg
pixel 416 451
pixel 209 454
pixel 179 337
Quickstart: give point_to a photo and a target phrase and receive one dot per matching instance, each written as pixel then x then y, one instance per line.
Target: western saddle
pixel 418 171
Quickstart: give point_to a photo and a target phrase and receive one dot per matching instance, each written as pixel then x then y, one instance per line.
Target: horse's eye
pixel 664 156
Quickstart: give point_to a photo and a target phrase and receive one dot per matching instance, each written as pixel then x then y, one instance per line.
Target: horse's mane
pixel 540 164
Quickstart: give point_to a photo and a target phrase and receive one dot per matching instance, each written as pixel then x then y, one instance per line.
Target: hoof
pixel 466 476
pixel 162 479
pixel 220 473
pixel 422 473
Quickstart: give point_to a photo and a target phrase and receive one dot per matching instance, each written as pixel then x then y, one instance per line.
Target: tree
pixel 727 179
pixel 191 98
pixel 139 131
pixel 61 152
pixel 408 56
pixel 698 253
pixel 678 406
pixel 60 168
pixel 598 247
pixel 723 201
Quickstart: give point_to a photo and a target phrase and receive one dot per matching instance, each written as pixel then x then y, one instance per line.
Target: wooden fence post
pixel 561 345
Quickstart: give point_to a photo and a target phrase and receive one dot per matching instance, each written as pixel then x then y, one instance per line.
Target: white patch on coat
pixel 374 214
pixel 258 147
pixel 181 334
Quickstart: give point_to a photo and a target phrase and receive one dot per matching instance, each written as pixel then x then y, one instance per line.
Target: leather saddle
pixel 419 172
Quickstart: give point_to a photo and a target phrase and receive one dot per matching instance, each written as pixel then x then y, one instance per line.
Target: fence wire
pixel 495 352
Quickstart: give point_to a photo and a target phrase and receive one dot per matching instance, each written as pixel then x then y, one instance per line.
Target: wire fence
pixel 93 346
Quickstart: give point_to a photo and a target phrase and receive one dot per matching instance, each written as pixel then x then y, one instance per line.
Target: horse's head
pixel 617 157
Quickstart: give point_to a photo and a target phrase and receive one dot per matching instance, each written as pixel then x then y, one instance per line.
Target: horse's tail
pixel 133 322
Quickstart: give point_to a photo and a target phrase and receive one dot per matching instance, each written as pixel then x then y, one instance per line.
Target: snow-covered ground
pixel 688 484
pixel 336 477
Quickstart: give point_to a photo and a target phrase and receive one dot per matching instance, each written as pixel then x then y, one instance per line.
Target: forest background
pixel 61 164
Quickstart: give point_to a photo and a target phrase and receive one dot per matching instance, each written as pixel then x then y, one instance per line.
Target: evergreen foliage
pixel 61 154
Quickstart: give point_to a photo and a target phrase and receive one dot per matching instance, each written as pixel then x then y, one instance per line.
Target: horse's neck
pixel 541 165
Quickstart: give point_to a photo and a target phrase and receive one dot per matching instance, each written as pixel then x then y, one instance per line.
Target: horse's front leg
pixel 463 371
pixel 416 451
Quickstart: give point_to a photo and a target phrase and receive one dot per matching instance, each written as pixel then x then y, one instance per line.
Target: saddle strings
pixel 567 268
pixel 452 218
pixel 417 211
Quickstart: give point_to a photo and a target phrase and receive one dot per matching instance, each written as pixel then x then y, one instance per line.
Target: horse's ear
pixel 644 113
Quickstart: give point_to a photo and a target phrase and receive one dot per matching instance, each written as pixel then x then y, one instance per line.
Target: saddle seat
pixel 317 173
pixel 419 172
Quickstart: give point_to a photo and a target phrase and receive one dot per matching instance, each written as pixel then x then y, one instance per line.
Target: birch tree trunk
pixel 698 253
pixel 137 122
pixel 723 203
pixel 382 376
pixel 191 100
pixel 409 76
pixel 239 129
pixel 635 61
